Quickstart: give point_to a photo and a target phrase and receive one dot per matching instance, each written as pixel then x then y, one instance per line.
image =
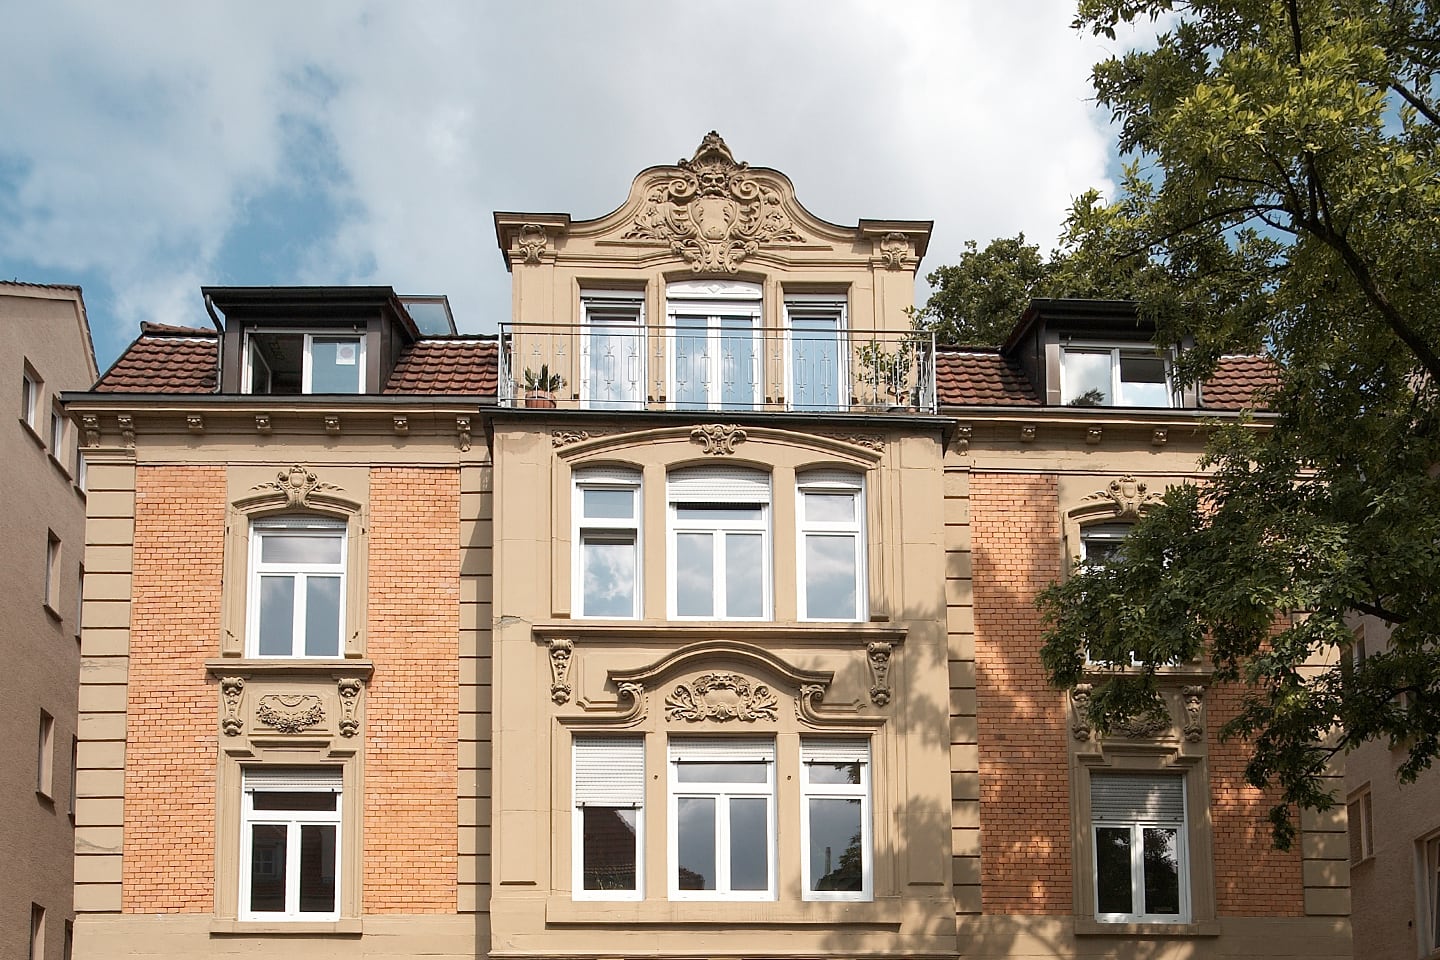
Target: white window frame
pixel 295 526
pixel 52 573
pixel 837 751
pixel 800 306
pixel 30 391
pixel 59 433
pixel 307 364
pixel 830 482
pixel 1116 351
pixel 608 316
pixel 683 750
pixel 714 302
pixel 608 771
pixel 1137 826
pixel 265 780
pixel 729 487
pixel 1360 829
pixel 606 529
pixel 45 757
pixel 1427 894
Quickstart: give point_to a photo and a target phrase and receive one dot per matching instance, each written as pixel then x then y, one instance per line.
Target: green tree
pixel 1284 172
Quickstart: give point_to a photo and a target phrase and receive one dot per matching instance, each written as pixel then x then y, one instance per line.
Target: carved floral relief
pixel 722 697
pixel 290 713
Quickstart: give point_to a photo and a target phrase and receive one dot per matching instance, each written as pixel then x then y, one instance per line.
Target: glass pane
pixel 691 363
pixel 294 800
pixel 1162 871
pixel 749 844
pixel 601 504
pixel 833 772
pixel 836 862
pixel 694 575
pixel 612 362
pixel 716 513
pixel 744 575
pixel 267 868
pixel 830 577
pixel 695 843
pixel 300 548
pixel 322 616
pixel 335 365
pixel 1112 870
pixel 317 868
pixel 738 371
pixel 1087 378
pixel 609 848
pixel 815 363
pixel 830 507
pixel 1142 382
pixel 608 568
pixel 737 772
pixel 277 616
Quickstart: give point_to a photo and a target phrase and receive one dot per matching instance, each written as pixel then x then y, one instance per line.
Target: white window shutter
pixel 292 778
pixel 615 476
pixel 834 751
pixel 1127 798
pixel 722 751
pixel 609 772
pixel 718 485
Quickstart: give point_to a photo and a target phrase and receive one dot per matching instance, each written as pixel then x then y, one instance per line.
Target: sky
pixel 151 148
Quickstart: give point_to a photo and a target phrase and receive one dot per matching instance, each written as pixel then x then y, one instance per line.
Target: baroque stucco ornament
pixel 297 484
pixel 531 242
pixel 349 690
pixel 877 654
pixel 722 697
pixel 290 713
pixel 713 212
pixel 1128 495
pixel 232 689
pixel 561 652
pixel 1144 726
pixel 1080 711
pixel 1193 697
pixel 718 439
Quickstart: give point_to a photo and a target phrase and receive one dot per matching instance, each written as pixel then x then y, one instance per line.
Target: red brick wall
pixel 170 756
pixel 1024 779
pixel 1252 878
pixel 413 706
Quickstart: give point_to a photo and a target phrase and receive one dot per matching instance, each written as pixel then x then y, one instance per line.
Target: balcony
pixel 722 367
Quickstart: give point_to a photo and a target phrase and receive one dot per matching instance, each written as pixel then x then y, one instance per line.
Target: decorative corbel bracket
pixel 195 423
pixel 561 652
pixel 1193 697
pixel 90 423
pixel 126 423
pixel 349 690
pixel 877 655
pixel 963 435
pixel 1080 711
pixel 232 691
pixel 462 431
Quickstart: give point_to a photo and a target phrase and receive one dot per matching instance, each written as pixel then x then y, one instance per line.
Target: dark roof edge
pixel 1065 308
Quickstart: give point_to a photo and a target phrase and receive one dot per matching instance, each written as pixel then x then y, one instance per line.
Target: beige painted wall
pixel 41 329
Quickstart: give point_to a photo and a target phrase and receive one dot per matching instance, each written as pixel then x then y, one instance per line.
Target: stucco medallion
pixel 722 697
pixel 297 484
pixel 718 439
pixel 1128 495
pixel 290 713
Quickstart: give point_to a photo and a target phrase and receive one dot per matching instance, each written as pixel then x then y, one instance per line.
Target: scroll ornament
pixel 718 439
pixel 1080 711
pixel 290 713
pixel 1194 699
pixel 532 241
pixel 232 689
pixel 721 697
pixel 349 689
pixel 560 653
pixel 894 250
pixel 1128 495
pixel 713 212
pixel 1144 726
pixel 297 484
pixel 877 654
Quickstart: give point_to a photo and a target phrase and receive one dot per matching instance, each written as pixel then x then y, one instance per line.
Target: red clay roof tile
pixel 1239 382
pixel 449 366
pixel 164 360
pixel 974 378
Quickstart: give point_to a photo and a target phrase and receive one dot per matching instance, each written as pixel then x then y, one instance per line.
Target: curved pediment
pixel 719 440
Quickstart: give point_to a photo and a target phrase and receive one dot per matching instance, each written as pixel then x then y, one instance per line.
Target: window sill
pixel 34 434
pixel 824 913
pixel 52 612
pixel 345 926
pixel 290 667
pixel 1085 927
pixel 64 470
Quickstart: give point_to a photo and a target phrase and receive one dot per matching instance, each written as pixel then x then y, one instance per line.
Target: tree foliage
pixel 1284 173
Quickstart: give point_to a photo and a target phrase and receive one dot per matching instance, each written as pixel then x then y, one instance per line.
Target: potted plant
pixel 540 387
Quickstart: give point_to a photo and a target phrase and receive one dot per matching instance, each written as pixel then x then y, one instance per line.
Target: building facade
pixel 45 348
pixel 691 615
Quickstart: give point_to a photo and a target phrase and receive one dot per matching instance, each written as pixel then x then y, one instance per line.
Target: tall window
pixel 290 845
pixel 1141 873
pixel 831 539
pixel 1100 542
pixel 1360 822
pixel 30 399
pixel 297 588
pixel 722 819
pixel 609 818
pixel 612 348
pixel 37 932
pixel 45 757
pixel 58 423
pixel 817 368
pixel 293 362
pixel 719 556
pixel 52 573
pixel 835 819
pixel 1429 851
pixel 715 345
pixel 607 538
pixel 1103 375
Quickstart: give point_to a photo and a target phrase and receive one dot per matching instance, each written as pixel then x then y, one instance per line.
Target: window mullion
pixel 297 632
pixel 292 868
pixel 1137 869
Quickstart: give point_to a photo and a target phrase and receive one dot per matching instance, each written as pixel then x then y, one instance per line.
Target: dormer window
pixel 292 362
pixel 1112 375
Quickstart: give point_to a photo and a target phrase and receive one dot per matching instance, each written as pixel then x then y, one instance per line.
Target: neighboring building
pixel 1394 836
pixel 44 348
pixel 690 616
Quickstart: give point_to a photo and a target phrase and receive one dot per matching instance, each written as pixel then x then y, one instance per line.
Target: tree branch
pixel 1418 102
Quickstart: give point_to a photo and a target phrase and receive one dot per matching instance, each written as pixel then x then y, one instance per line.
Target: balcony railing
pixel 717 367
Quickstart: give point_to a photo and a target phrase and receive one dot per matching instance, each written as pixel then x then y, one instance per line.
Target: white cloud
pixel 146 131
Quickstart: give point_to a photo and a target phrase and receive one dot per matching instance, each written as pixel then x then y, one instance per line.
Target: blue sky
pixel 151 148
